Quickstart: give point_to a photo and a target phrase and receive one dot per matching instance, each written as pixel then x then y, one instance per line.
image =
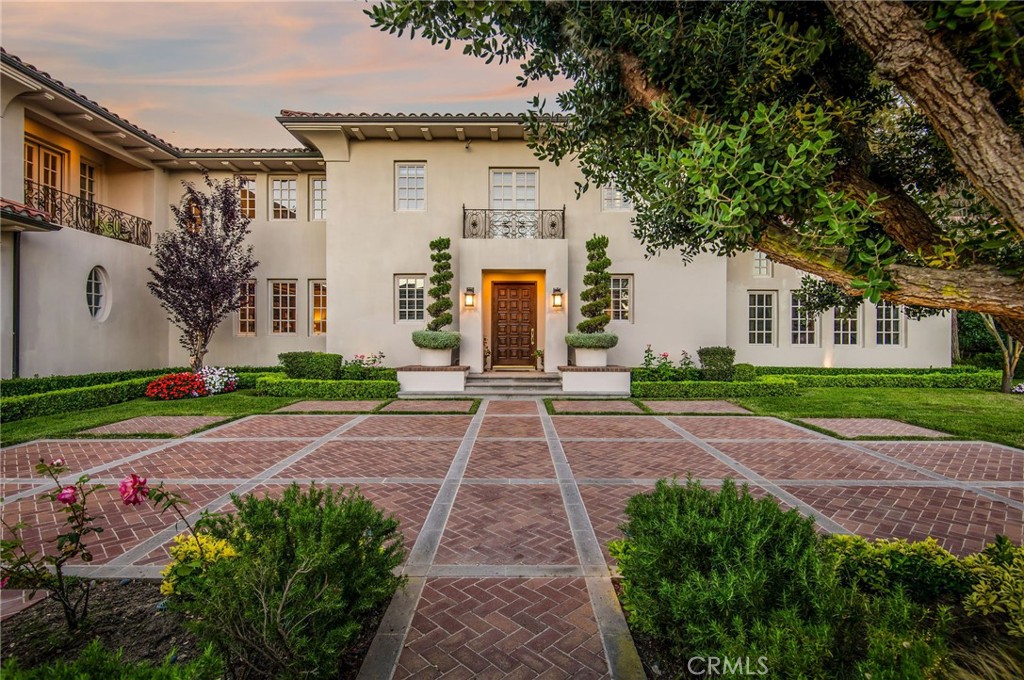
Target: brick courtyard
pixel 507 512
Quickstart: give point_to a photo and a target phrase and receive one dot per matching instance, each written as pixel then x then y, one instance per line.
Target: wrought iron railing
pixel 72 211
pixel 486 223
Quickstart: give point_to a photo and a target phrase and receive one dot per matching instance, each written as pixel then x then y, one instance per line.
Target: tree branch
pixel 961 112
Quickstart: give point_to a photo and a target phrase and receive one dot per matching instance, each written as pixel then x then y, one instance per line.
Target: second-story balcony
pixel 72 211
pixel 517 224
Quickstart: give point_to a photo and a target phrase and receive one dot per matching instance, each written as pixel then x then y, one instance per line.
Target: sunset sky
pixel 216 73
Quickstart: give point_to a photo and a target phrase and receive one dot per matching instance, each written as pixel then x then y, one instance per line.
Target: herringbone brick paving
pixel 495 524
pixel 428 406
pixel 694 406
pixel 872 427
pixel 156 425
pixel 343 406
pixel 595 406
pixel 503 628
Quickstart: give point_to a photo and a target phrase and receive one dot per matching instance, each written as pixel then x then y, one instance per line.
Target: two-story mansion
pixel 341 225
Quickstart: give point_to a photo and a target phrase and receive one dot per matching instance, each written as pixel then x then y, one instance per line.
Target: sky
pixel 215 74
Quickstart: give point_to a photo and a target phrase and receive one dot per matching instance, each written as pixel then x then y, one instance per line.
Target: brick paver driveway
pixel 508 512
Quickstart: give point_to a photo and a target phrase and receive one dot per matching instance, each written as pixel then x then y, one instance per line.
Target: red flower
pixel 68 495
pixel 133 489
pixel 177 386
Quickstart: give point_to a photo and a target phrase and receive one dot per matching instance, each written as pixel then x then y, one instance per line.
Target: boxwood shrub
pixel 744 373
pixel 717 362
pixel 821 370
pixel 275 386
pixel 74 399
pixel 980 380
pixel 706 389
pixel 591 340
pixel 311 365
pixel 13 387
pixel 436 339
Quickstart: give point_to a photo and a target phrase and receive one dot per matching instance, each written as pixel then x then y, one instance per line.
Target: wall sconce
pixel 470 297
pixel 556 298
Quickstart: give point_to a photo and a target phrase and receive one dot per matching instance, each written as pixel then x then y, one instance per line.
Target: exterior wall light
pixel 556 298
pixel 470 297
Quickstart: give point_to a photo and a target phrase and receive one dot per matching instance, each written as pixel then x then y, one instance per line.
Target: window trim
pixel 773 308
pixel 255 200
pixel 255 316
pixel 270 197
pixel 396 299
pixel 897 323
pixel 104 294
pixel 770 266
pixel 312 198
pixel 270 303
pixel 630 298
pixel 514 171
pixel 312 296
pixel 857 329
pixel 39 146
pixel 625 204
pixel 812 321
pixel 400 164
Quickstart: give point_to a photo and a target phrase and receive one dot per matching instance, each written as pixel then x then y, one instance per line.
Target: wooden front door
pixel 514 323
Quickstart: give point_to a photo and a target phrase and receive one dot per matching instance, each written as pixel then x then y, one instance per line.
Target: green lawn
pixel 969 414
pixel 235 405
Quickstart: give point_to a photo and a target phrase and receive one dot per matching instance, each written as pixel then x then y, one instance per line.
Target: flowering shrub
pixel 1019 389
pixel 191 555
pixel 363 367
pixel 177 386
pixel 218 380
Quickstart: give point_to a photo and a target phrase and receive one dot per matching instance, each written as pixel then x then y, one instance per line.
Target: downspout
pixel 16 307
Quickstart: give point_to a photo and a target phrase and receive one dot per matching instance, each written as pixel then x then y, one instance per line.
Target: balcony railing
pixel 485 223
pixel 71 211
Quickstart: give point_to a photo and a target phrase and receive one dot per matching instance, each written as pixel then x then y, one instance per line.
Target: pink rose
pixel 4 582
pixel 665 354
pixel 133 490
pixel 68 495
pixel 57 462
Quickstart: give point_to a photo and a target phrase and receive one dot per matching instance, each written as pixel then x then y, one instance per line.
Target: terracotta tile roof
pixel 23 210
pixel 250 151
pixel 511 117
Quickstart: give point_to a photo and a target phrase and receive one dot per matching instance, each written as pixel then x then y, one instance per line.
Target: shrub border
pixel 275 386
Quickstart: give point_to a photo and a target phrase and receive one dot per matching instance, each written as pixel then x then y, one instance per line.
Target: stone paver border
pixel 872 427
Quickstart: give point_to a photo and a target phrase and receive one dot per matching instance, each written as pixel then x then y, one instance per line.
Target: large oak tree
pixel 873 144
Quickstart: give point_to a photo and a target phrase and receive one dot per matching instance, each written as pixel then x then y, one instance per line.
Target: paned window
pixel 409 300
pixel 845 327
pixel 247 312
pixel 410 186
pixel 762 265
pixel 318 307
pixel 283 307
pixel 803 325
pixel 283 198
pixel 622 297
pixel 887 323
pixel 247 195
pixel 761 318
pixel 318 198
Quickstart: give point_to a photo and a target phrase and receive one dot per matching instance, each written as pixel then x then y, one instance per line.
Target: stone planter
pixel 591 357
pixel 435 357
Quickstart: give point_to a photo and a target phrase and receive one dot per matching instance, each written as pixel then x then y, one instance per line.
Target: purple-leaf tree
pixel 202 262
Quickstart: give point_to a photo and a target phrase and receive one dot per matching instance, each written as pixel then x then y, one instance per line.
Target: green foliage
pixel 998 590
pixel 744 373
pixel 974 337
pixel 312 570
pixel 442 287
pixel 74 399
pixel 665 373
pixel 311 365
pixel 597 296
pixel 981 380
pixel 821 370
pixel 717 362
pixel 905 640
pixel 923 570
pixel 96 662
pixel 436 339
pixel 191 555
pixel 13 387
pixel 595 340
pixel 706 389
pixel 275 386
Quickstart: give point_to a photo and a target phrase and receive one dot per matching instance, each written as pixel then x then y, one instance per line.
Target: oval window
pixel 97 293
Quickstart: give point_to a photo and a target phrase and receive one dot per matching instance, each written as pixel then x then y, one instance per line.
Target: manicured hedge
pixel 275 386
pixel 982 380
pixel 311 365
pixel 707 389
pixel 820 370
pixel 74 399
pixel 14 387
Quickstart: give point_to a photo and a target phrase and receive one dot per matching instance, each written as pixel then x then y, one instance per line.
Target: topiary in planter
pixel 436 339
pixel 597 297
pixel 441 280
pixel 591 340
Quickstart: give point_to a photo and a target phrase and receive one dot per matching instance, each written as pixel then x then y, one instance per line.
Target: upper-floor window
pixel 247 195
pixel 410 186
pixel 762 265
pixel 514 189
pixel 613 199
pixel 846 327
pixel 887 323
pixel 317 307
pixel 246 314
pixel 284 198
pixel 622 297
pixel 803 325
pixel 318 198
pixel 283 307
pixel 761 318
pixel 409 301
pixel 87 182
pixel 44 165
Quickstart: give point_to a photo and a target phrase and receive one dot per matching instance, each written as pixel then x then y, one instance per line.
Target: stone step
pixel 502 384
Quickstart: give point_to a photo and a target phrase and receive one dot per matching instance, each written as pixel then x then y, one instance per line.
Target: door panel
pixel 514 323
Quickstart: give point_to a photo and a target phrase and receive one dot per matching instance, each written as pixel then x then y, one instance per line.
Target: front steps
pixel 513 383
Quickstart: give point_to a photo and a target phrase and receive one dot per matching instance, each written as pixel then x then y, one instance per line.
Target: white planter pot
pixel 591 357
pixel 435 357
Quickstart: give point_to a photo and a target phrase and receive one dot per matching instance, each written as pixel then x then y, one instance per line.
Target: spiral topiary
pixel 597 297
pixel 442 287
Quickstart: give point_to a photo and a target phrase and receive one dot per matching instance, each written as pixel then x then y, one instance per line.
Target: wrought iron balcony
pixel 71 211
pixel 486 223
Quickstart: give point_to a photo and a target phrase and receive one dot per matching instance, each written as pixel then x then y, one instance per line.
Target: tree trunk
pixel 956 336
pixel 197 350
pixel 961 112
